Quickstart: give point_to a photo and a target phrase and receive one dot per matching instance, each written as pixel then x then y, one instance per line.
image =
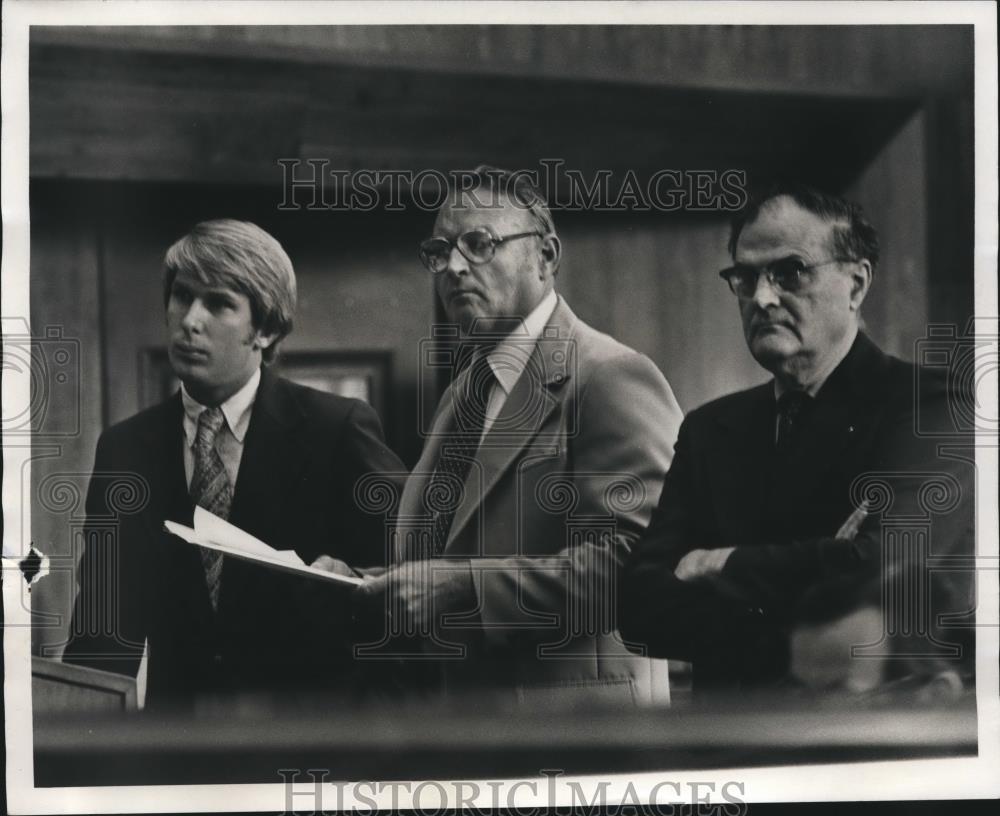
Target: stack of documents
pixel 218 534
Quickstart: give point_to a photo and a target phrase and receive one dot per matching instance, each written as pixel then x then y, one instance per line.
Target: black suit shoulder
pixel 146 421
pixel 731 407
pixel 330 419
pixel 312 402
pixel 901 389
pixel 870 376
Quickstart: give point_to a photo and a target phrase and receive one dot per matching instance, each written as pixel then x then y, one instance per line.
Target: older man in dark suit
pixel 781 490
pixel 277 459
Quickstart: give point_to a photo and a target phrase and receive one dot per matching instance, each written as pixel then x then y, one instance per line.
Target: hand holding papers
pixel 329 564
pixel 217 534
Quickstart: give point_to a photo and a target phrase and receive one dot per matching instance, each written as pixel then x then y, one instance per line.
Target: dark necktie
pixel 459 446
pixel 791 407
pixel 210 488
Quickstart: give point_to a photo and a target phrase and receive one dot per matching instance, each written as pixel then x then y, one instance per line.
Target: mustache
pixel 453 293
pixel 762 320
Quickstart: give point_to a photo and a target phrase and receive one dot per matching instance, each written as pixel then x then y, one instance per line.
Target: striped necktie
pixel 459 446
pixel 210 488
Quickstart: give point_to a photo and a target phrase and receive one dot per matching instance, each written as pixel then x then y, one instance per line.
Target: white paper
pixel 218 534
pixel 210 527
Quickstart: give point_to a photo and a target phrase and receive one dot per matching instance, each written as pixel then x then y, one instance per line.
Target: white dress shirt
pixel 229 442
pixel 510 357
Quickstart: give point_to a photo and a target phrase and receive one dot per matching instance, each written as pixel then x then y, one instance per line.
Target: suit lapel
pixel 528 407
pixel 168 483
pixel 413 511
pixel 273 454
pixel 176 565
pixel 844 407
pixel 824 435
pixel 746 445
pixel 810 490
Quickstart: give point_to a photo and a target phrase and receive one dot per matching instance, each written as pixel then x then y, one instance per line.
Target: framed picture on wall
pixel 364 375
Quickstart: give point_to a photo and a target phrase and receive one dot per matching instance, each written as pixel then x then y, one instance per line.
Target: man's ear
pixel 261 340
pixel 861 281
pixel 551 253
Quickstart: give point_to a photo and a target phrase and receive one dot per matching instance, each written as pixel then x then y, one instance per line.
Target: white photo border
pixel 973 777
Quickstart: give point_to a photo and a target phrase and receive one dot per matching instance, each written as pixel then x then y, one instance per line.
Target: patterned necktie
pixel 210 488
pixel 458 448
pixel 790 408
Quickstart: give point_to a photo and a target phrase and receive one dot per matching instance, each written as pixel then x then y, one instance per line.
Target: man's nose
pixel 765 293
pixel 194 315
pixel 457 262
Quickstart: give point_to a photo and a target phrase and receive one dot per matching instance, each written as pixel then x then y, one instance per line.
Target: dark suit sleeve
pixel 336 521
pixel 662 616
pixel 761 585
pixel 363 453
pixel 108 627
pixel 911 480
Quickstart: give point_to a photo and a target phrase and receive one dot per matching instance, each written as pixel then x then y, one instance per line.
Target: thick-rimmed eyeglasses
pixel 477 246
pixel 784 274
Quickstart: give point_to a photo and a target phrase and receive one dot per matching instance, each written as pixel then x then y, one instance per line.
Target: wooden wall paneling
pixel 123 131
pixel 364 288
pixel 652 284
pixel 65 300
pixel 712 358
pixel 120 115
pixel 134 250
pixel 842 59
pixel 589 269
pixel 893 191
pixel 950 167
pixel 631 284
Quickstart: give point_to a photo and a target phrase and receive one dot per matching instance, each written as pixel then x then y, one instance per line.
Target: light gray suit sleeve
pixel 627 420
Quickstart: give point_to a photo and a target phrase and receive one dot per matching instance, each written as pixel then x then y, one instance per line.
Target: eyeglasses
pixel 784 274
pixel 477 246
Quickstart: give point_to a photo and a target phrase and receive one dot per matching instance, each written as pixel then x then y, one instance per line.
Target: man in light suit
pixel 831 475
pixel 542 464
pixel 278 459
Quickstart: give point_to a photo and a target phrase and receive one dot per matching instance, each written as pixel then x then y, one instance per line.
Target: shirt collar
pixel 510 357
pixel 236 410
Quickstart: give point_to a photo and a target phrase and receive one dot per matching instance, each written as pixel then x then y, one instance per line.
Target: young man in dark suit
pixel 777 491
pixel 276 459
